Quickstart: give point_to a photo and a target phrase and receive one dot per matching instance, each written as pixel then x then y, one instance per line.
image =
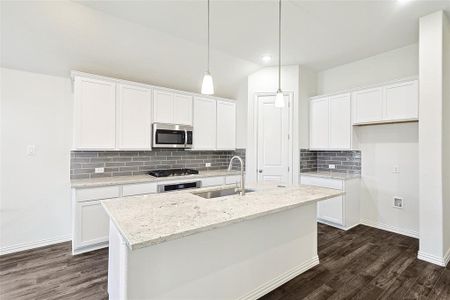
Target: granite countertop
pixel 332 174
pixel 156 218
pixel 119 180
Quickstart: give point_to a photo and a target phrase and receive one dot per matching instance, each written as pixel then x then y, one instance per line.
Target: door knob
pixel 259 171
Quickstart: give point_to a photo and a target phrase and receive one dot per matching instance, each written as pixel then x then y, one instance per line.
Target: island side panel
pixel 239 261
pixel 117 264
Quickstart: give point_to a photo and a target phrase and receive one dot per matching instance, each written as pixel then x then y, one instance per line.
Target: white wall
pixel 35 202
pixel 446 135
pixel 241 97
pixel 433 127
pixel 387 66
pixel 307 89
pixel 383 146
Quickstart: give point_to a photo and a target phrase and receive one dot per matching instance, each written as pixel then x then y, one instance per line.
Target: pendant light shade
pixel 208 84
pixel 279 100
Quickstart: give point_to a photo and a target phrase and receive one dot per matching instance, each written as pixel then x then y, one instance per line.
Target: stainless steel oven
pixel 172 136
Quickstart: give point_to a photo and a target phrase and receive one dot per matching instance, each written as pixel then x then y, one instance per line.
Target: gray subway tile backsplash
pixel 125 163
pixel 345 161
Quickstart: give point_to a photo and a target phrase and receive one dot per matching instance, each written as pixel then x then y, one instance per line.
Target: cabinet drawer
pixel 139 189
pixel 97 193
pixel 323 182
pixel 232 179
pixel 212 181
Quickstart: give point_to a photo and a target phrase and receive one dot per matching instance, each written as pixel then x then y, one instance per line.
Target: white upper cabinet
pixel 134 117
pixel 113 114
pixel 162 107
pixel 172 108
pixel 401 101
pixel 368 105
pixel 182 109
pixel 226 125
pixel 94 114
pixel 340 122
pixel 330 122
pixel 386 104
pixel 319 123
pixel 204 124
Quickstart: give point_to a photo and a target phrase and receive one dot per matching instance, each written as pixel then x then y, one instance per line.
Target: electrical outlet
pixel 398 202
pixel 331 166
pixel 208 165
pixel 396 169
pixel 31 150
pixel 99 170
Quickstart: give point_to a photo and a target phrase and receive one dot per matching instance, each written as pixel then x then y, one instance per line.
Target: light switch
pixel 31 150
pixel 99 170
pixel 331 166
pixel 396 169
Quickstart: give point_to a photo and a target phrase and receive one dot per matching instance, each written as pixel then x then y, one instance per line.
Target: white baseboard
pixel 447 257
pixel 395 229
pixel 89 248
pixel 440 261
pixel 32 245
pixel 336 225
pixel 280 280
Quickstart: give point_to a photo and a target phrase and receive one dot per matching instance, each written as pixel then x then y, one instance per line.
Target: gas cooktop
pixel 172 172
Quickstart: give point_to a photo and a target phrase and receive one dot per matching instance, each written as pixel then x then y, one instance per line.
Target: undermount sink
pixel 220 193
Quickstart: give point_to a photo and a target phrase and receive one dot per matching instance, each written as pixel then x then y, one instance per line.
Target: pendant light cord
pixel 279 45
pixel 208 37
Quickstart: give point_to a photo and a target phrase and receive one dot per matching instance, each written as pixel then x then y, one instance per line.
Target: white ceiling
pixel 163 42
pixel 320 34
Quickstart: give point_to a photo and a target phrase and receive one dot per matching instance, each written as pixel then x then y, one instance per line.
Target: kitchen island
pixel 180 245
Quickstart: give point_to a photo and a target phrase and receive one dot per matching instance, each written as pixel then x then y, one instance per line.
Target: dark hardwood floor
pixel 363 263
pixel 367 263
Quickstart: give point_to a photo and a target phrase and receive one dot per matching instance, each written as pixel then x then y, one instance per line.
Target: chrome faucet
pixel 242 188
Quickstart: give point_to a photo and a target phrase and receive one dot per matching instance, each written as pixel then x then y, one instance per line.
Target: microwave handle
pixel 185 138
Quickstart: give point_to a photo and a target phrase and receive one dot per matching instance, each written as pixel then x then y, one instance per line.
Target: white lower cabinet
pixel 343 211
pixel 93 223
pixel 90 223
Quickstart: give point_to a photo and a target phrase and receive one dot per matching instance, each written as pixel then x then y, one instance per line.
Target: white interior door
pixel 273 140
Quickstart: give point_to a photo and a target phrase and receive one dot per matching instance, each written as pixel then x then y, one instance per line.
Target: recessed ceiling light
pixel 403 1
pixel 266 58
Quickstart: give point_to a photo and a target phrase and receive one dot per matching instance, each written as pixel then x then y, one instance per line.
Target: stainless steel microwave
pixel 172 136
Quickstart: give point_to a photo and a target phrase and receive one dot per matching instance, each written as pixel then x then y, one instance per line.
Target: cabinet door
pixel 92 224
pixel 368 106
pixel 331 210
pixel 182 109
pixel 94 114
pixel 204 124
pixel 134 118
pixel 340 122
pixel 163 107
pixel 319 124
pixel 401 101
pixel 226 125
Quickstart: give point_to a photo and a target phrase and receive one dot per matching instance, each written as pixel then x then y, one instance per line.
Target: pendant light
pixel 279 99
pixel 208 85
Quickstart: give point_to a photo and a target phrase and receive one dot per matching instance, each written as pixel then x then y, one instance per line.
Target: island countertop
pixel 153 219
